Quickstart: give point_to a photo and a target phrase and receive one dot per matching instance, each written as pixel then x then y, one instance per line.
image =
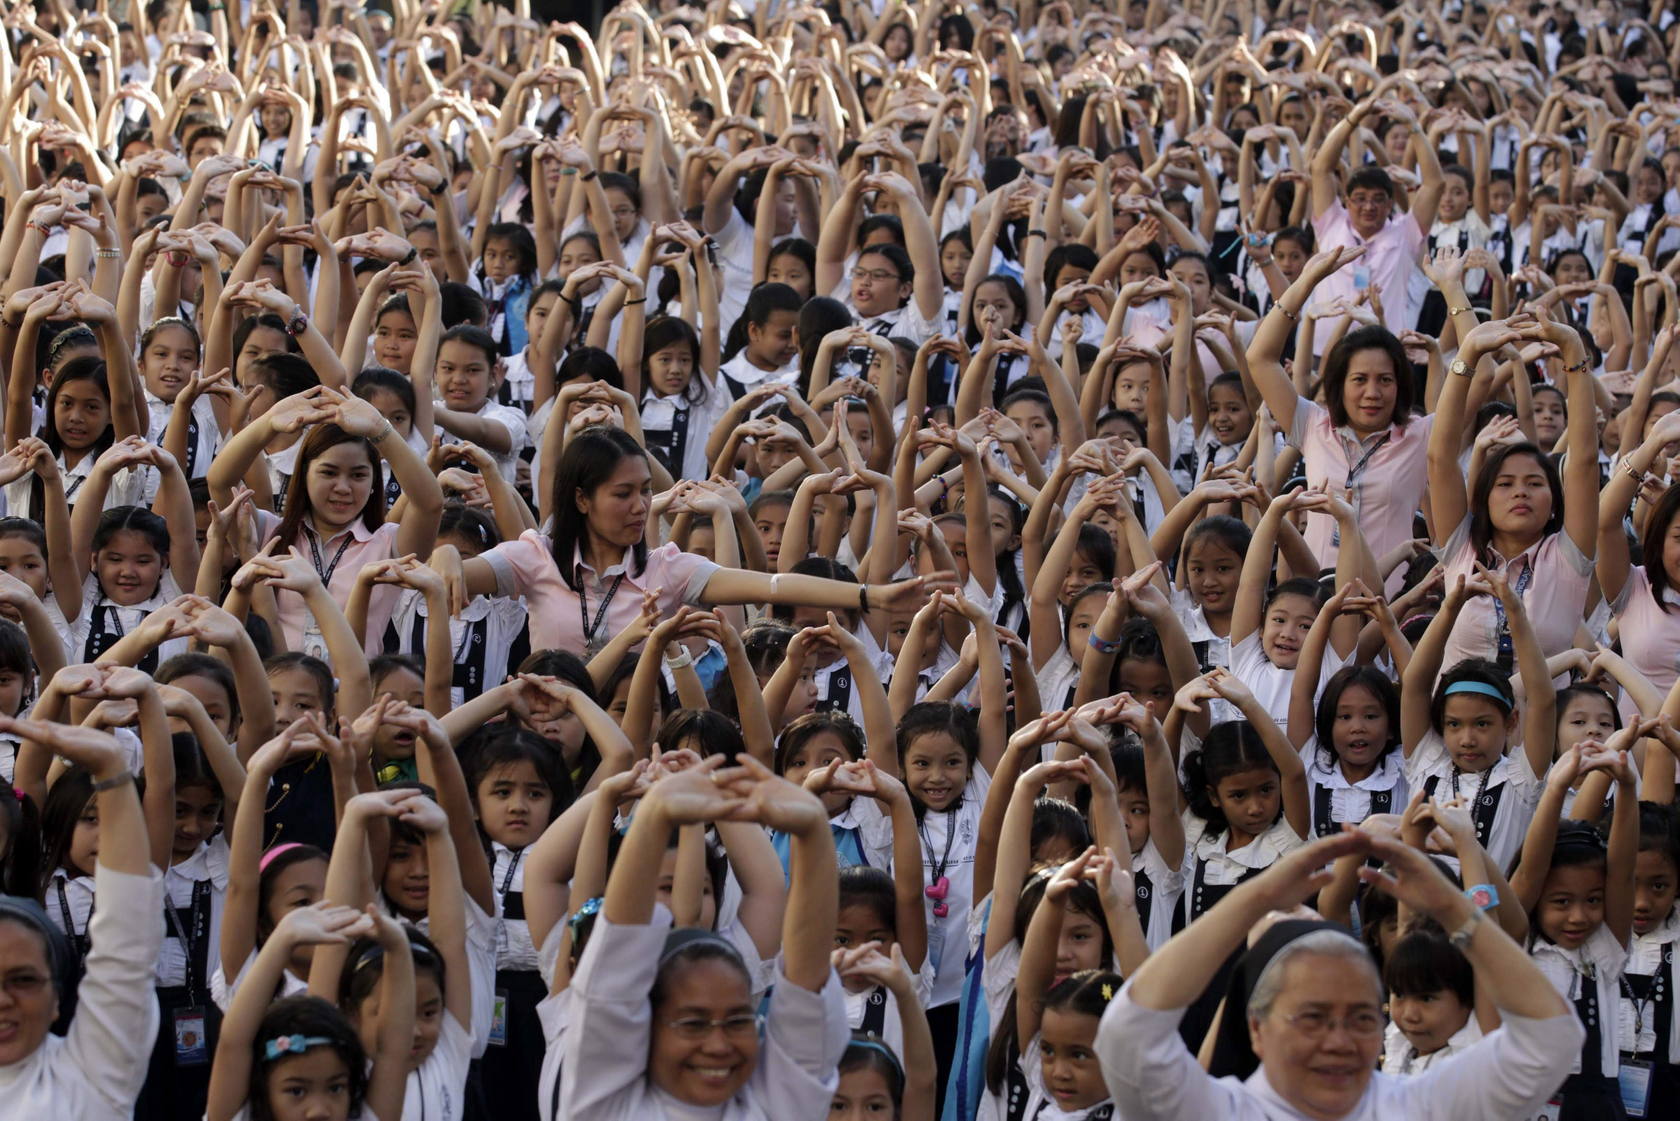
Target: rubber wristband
pixel 1485 896
pixel 112 783
pixel 1103 645
pixel 590 176
pixel 641 300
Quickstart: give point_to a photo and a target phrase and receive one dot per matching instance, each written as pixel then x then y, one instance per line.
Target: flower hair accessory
pixel 590 907
pixel 1108 992
pixel 292 1045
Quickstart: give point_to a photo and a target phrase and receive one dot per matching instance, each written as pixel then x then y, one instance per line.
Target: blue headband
pixel 874 1043
pixel 292 1045
pixel 1493 692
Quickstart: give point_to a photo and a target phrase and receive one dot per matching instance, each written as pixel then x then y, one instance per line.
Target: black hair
pixel 1017 296
pixel 313 666
pixel 317 442
pixel 589 363
pixel 66 799
pixel 1097 546
pixel 306 1017
pixel 20 856
pixel 510 746
pixel 366 964
pixel 693 952
pixel 87 369
pixel 927 718
pixel 376 378
pixel 667 330
pixel 819 316
pixel 1659 831
pixel 795 247
pixel 1296 586
pixel 590 459
pixel 711 732
pixel 1071 253
pixel 1656 532
pixel 133 519
pixel 1230 748
pixel 459 303
pixel 286 374
pixel 1356 341
pixel 1481 518
pixel 1053 819
pixel 762 302
pixel 1423 961
pixel 252 323
pixel 863 886
pixel 476 337
pixel 1481 671
pixel 271 868
pixel 1324 723
pixel 1232 533
pixel 807 727
pixel 517 235
pixel 193 664
pixel 1371 177
pixel 870 1052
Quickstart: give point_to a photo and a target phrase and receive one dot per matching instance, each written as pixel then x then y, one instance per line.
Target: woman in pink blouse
pixel 1364 439
pixel 1644 597
pixel 1519 516
pixel 583 581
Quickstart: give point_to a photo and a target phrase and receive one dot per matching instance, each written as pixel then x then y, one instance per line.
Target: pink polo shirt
pixel 1389 488
pixel 1554 596
pixel 339 560
pixel 1650 636
pixel 1391 257
pixel 525 567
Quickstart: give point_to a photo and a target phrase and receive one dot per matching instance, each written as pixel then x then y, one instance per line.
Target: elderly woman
pixel 1315 1015
pixel 96 1070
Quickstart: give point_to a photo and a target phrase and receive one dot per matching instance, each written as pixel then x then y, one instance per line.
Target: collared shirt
pixel 1351 801
pixel 360 546
pixel 1401 1058
pixel 1391 257
pixel 1389 488
pixel 1650 636
pixel 1154 1077
pixel 200 453
pixel 481 638
pixel 688 419
pixel 525 567
pixel 1554 598
pixel 95 1072
pixel 1166 886
pixel 208 864
pixel 1598 962
pixel 1510 788
pixel 1205 848
pixel 1651 954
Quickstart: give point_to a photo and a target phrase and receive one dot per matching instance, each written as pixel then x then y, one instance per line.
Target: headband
pixel 679 940
pixel 874 1043
pixel 1481 688
pixel 292 1045
pixel 275 853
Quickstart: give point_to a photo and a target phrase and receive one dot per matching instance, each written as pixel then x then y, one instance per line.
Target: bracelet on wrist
pixel 1484 896
pixel 1294 315
pixel 112 783
pixel 1103 645
pixel 637 300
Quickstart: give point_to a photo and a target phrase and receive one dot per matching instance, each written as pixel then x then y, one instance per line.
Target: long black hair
pixel 588 462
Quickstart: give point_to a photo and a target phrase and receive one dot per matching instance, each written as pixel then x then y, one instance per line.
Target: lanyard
pixel 944 860
pixel 190 946
pixel 1639 1006
pixel 513 868
pixel 589 628
pixel 1481 786
pixel 325 571
pixel 1355 473
pixel 1505 649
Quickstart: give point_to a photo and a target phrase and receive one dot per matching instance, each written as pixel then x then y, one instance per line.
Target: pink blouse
pixel 1650 636
pixel 1387 490
pixel 525 567
pixel 1554 595
pixel 339 560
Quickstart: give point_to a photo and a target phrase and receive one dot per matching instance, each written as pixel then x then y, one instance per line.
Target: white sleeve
pixel 805 1035
pixel 109 1046
pixel 1510 1073
pixel 612 1023
pixel 1149 1070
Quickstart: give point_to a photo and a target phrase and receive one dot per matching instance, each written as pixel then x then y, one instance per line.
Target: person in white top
pixel 1315 1015
pixel 664 1023
pixel 95 1070
pixel 299 1056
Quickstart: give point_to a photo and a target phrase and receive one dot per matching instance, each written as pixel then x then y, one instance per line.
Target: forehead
pixel 462 353
pixel 348 454
pixel 1329 979
pixel 22 946
pixel 708 983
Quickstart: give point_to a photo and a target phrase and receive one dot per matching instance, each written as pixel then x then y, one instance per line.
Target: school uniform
pixel 739 375
pixel 204 437
pixel 1335 801
pixel 1158 887
pixel 128 488
pixel 606 1047
pixel 1401 1058
pixel 675 426
pixel 1272 685
pixel 69 904
pixel 519 382
pixel 906 322
pixel 1467 233
pixel 1648 1019
pixel 94 1072
pixel 1589 978
pixel 436 1089
pixel 837 689
pixel 949 839
pixel 486 640
pixel 1213 651
pixel 1502 799
pixel 102 623
pixel 1058 678
pixel 512 1065
pixel 506 301
pixel 862 836
pixel 1026 1098
pixel 875 1010
pixel 195 891
pixel 509 418
pixel 1210 872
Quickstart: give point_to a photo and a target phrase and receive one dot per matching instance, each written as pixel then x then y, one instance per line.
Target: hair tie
pixel 1480 688
pixel 274 853
pixel 18 794
pixel 292 1045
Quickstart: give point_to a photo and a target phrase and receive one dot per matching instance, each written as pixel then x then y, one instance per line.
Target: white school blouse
pixel 1401 1058
pixel 1154 1077
pixel 1645 960
pixel 210 863
pixel 1351 801
pixel 947 937
pixel 437 1087
pixel 1599 962
pixel 1503 802
pixel 606 1047
pixel 95 1072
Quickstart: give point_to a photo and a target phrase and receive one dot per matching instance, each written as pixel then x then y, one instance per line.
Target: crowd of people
pixel 901 559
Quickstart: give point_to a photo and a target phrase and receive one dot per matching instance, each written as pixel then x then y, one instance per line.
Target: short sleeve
pixel 522 563
pixel 1635 584
pixel 680 573
pixel 1306 414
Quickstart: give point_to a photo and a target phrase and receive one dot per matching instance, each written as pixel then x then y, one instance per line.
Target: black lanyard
pixel 325 572
pixel 194 939
pixel 589 628
pixel 82 940
pixel 944 860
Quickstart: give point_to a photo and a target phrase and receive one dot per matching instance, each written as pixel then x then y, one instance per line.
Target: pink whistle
pixel 939 889
pixel 940 910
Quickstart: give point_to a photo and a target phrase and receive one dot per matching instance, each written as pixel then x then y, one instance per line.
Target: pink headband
pixel 270 856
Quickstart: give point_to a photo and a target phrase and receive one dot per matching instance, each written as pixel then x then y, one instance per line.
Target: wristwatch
pixel 1459 368
pixel 298 325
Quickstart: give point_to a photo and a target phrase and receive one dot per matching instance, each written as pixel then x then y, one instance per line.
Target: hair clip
pixel 292 1045
pixel 590 908
pixel 1107 991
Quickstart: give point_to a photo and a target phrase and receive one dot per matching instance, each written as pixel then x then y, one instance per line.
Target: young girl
pixel 79 426
pixel 468 372
pixel 1649 1026
pixel 1455 735
pixel 393 394
pixel 1356 770
pixel 170 356
pixel 812 750
pixel 133 555
pixel 1431 1002
pixel 507 272
pixel 518 788
pixel 1213 562
pixel 682 402
pixel 1579 895
pixel 299 1056
pixel 871 902
pixel 1585 712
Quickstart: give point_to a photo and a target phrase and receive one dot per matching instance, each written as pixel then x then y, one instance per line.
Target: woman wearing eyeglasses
pixel 665 1022
pixel 95 1070
pixel 1315 1013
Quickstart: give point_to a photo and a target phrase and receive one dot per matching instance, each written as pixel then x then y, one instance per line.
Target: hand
pixel 322 924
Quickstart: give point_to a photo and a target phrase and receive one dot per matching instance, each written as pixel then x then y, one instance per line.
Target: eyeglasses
pixel 1315 1023
pixel 1371 201
pixel 696 1028
pixel 885 276
pixel 24 984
